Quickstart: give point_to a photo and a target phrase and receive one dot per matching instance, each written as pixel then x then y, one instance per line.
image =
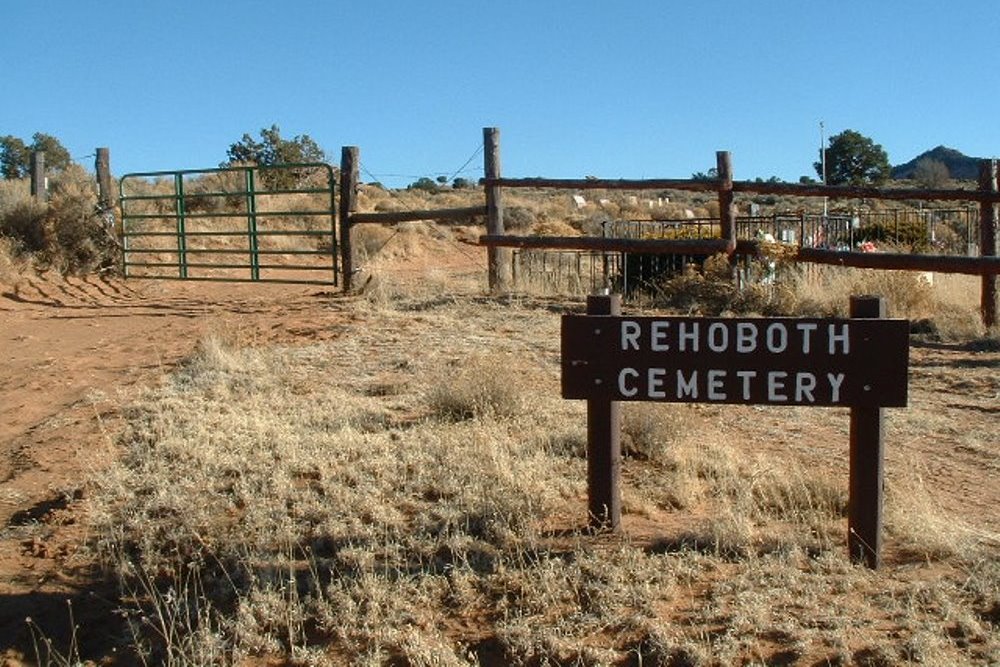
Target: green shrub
pixel 910 234
pixel 24 223
pixel 67 230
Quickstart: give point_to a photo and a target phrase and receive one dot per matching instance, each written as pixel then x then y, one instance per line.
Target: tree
pixel 15 155
pixel 423 183
pixel 931 173
pixel 711 175
pixel 854 159
pixel 57 157
pixel 272 151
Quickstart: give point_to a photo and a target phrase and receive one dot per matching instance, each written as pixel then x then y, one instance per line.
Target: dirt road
pixel 73 349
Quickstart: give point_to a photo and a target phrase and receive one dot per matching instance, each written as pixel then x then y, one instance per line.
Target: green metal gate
pixel 244 224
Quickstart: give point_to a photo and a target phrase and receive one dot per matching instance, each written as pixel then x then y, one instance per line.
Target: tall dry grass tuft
pixel 942 306
pixel 65 231
pixel 924 529
pixel 480 388
pixel 13 264
pixel 651 431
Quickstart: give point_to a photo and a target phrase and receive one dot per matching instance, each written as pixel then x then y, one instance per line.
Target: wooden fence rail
pixel 973 266
pixel 987 196
pixel 787 189
pixel 384 217
pixel 602 244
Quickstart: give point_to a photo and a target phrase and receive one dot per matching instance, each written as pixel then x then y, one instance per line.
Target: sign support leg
pixel 604 441
pixel 867 480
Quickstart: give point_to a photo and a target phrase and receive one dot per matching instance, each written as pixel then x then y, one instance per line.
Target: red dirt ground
pixel 74 349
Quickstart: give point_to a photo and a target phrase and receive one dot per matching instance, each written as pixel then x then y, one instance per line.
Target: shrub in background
pixel 24 224
pixel 66 231
pixel 84 239
pixel 911 234
pixel 518 218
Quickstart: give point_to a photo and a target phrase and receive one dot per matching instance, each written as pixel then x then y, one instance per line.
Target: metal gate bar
pixel 197 209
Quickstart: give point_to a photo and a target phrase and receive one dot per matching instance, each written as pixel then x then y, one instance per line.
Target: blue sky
pixel 633 89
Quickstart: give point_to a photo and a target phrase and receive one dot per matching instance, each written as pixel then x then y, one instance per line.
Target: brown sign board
pixel 760 361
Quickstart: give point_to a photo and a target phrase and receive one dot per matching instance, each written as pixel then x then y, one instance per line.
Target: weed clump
pixel 67 231
pixel 651 431
pixel 714 291
pixel 479 389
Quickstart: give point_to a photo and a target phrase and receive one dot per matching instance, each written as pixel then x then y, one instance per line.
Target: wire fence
pixel 952 232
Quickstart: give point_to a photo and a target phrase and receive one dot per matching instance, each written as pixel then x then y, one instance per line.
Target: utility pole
pixel 822 159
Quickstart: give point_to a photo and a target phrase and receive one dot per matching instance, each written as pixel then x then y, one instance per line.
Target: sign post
pixel 864 511
pixel 860 363
pixel 604 438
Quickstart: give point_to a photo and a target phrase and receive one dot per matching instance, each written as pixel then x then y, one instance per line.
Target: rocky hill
pixel 960 166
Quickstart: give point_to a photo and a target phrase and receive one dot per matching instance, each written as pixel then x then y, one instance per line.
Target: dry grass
pixel 64 232
pixel 13 265
pixel 941 306
pixel 415 494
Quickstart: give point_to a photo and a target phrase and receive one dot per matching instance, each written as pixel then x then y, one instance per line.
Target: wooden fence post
pixel 348 204
pixel 38 189
pixel 499 267
pixel 604 440
pixel 727 210
pixel 102 166
pixel 865 502
pixel 988 240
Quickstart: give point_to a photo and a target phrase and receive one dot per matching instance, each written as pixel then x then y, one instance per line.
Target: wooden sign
pixel 859 362
pixel 778 361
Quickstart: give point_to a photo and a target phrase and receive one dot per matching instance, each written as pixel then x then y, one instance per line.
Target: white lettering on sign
pixel 835 382
pixel 718 337
pixel 806 328
pixel 689 336
pixel 746 337
pixel 624 387
pixel 659 336
pixel 804 385
pixel 776 386
pixel 746 377
pixel 777 338
pixel 655 383
pixel 715 380
pixel 841 338
pixel 630 335
pixel 687 387
pixel 740 337
pixel 743 373
pixel 717 385
pixel 753 360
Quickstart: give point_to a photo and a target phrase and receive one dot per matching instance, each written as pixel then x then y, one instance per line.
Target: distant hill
pixel 960 166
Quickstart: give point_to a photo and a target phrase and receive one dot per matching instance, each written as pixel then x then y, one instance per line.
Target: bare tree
pixel 931 173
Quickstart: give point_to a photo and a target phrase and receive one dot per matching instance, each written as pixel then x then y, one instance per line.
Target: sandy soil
pixel 74 349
